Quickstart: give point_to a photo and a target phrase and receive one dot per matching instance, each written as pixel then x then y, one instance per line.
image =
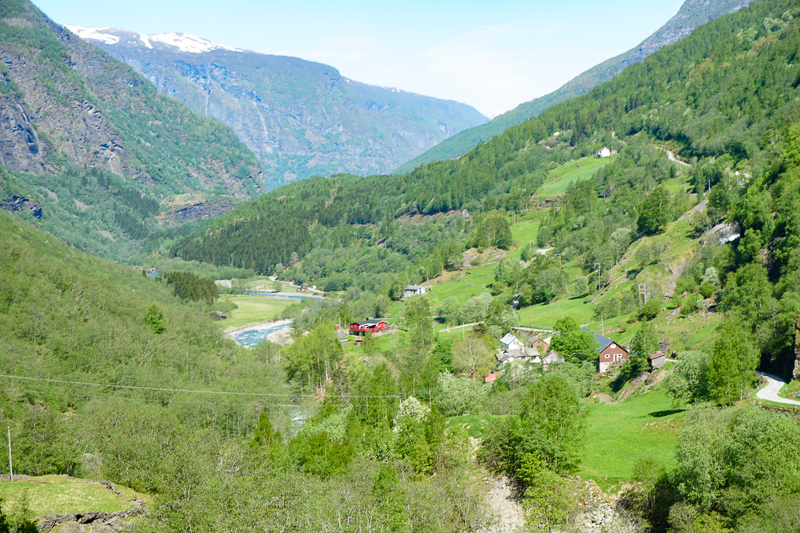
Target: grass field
pixel 618 435
pixel 61 495
pixel 560 179
pixel 252 309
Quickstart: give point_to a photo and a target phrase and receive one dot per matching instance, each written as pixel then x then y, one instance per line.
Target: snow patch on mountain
pixel 94 34
pixel 184 42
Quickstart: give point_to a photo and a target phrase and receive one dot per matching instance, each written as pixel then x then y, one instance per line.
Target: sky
pixel 492 55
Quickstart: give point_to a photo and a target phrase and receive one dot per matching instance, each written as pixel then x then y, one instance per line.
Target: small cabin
pixel 657 360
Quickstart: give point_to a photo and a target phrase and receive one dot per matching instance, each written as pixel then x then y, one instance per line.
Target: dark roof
pixel 369 322
pixel 604 342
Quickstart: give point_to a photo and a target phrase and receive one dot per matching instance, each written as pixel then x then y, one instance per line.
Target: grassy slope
pixel 618 435
pixel 62 494
pixel 562 178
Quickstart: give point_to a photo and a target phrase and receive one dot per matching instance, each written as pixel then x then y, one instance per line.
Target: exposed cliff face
pixel 300 118
pixel 65 102
pixel 93 148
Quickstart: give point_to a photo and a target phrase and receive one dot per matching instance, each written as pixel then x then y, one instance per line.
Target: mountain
pixel 692 14
pixel 300 118
pixel 719 96
pixel 94 153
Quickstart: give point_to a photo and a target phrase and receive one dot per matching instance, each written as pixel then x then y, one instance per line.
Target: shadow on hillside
pixel 666 412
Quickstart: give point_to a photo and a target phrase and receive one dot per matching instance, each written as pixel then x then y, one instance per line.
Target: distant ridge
pixel 300 118
pixel 692 14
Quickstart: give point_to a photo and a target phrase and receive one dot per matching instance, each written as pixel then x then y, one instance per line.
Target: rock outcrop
pixel 19 203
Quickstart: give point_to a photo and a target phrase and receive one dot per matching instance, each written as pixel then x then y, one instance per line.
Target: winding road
pixel 770 392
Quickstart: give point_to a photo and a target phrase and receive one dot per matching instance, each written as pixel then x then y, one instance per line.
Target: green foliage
pixel 492 230
pixel 654 213
pixel 548 496
pixel 390 499
pixel 732 364
pixel 154 317
pixel 45 443
pixel 314 358
pixel 735 460
pixel 458 396
pixel 192 287
pixel 417 315
pixel 574 344
pixel 549 426
pixel 650 309
pixel 643 345
pixel 688 382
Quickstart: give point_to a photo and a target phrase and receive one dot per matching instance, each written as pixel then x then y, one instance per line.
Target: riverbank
pixel 276 331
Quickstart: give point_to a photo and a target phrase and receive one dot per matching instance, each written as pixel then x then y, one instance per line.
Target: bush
pixel 650 310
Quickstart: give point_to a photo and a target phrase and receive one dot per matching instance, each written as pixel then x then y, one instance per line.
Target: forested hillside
pixel 97 149
pixel 692 14
pixel 99 361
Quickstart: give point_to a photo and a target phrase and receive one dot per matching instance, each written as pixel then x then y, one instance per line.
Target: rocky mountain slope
pixel 692 14
pixel 95 146
pixel 300 118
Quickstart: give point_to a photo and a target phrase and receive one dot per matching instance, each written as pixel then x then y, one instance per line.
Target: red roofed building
pixel 658 359
pixel 490 378
pixel 374 326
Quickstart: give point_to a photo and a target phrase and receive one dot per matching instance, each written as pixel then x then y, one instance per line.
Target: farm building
pixel 535 341
pixel 609 352
pixel 552 358
pixel 657 360
pixel 373 326
pixel 604 152
pixel 413 290
pixel 525 354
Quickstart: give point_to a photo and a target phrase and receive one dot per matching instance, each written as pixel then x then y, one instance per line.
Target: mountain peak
pixel 184 42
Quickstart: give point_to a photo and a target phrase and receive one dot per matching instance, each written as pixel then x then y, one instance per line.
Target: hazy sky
pixel 492 55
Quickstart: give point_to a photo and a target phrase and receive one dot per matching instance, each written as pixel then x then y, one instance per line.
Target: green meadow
pixel 62 494
pixel 618 435
pixel 253 309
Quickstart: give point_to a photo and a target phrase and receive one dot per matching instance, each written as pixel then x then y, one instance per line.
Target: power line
pixel 195 391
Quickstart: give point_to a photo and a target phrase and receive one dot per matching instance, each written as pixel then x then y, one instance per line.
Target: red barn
pixel 361 328
pixel 609 352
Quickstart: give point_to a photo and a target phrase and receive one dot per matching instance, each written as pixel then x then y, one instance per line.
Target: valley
pixel 589 322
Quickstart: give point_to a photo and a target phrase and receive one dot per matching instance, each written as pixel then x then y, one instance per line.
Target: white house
pixel 413 290
pixel 510 343
pixel 604 152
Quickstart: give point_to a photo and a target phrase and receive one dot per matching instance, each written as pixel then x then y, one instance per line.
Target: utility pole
pixel 642 295
pixel 10 469
pixel 597 269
